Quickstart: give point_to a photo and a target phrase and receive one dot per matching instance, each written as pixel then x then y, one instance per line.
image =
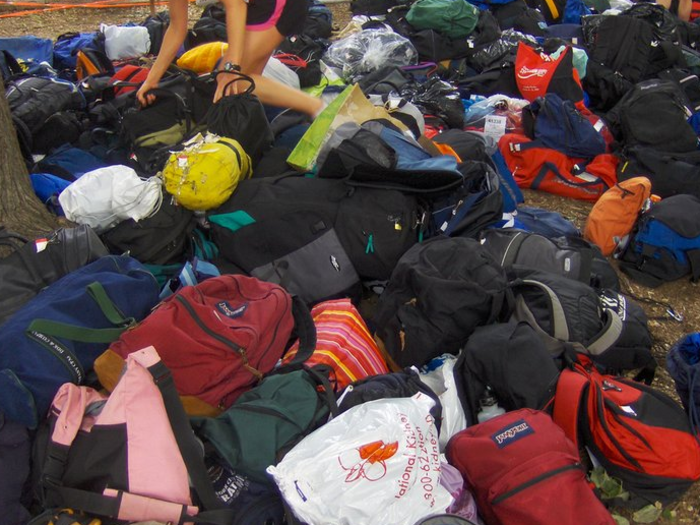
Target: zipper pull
pixel 370 244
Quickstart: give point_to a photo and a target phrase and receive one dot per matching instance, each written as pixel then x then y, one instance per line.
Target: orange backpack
pixel 614 215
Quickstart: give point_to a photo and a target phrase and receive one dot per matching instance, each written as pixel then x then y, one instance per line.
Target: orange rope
pixel 99 4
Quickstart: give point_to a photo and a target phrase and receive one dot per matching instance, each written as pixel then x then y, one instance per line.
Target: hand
pixel 143 96
pixel 225 85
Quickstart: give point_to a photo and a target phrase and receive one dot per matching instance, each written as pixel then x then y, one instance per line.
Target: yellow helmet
pixel 205 174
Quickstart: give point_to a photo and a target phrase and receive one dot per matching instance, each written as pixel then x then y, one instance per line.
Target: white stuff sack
pixel 378 462
pixel 438 374
pixel 125 41
pixel 104 197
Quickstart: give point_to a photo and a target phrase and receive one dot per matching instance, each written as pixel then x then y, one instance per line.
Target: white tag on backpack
pixel 495 126
pixel 41 244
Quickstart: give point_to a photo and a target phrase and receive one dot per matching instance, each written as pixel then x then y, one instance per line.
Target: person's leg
pixel 259 46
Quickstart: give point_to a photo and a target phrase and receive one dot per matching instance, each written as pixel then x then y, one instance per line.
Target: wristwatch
pixel 229 67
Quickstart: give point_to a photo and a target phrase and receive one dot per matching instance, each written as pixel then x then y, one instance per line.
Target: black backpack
pixel 654 114
pixel 28 270
pixel 372 7
pixel 571 257
pixel 670 173
pixel 404 383
pixel 33 100
pixel 302 54
pixel 622 44
pixel 163 238
pixel 440 291
pixel 604 87
pixel 9 67
pixel 182 102
pixel 611 328
pixel 157 25
pixel 512 360
pixel 315 236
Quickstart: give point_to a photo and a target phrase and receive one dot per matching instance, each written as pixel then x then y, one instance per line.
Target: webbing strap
pixel 81 333
pixel 567 402
pixel 560 328
pixel 608 336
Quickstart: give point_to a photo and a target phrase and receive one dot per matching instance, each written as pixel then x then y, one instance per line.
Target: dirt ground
pixel 683 295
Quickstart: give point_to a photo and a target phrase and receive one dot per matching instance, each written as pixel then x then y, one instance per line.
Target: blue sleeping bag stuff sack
pixel 56 336
pixel 548 223
pixel 683 364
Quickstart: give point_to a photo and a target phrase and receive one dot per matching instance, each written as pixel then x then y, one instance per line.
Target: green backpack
pixel 267 421
pixel 451 18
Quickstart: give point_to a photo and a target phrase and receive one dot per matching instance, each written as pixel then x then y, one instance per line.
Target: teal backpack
pixel 451 18
pixel 267 421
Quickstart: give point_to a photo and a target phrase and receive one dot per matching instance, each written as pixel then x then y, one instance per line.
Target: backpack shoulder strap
pixel 306 330
pixel 571 387
pixel 608 335
pixel 559 324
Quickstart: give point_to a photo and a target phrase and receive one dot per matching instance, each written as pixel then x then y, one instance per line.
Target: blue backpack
pixel 66 48
pixel 683 364
pixel 56 336
pixel 556 124
pixel 69 163
pixel 665 243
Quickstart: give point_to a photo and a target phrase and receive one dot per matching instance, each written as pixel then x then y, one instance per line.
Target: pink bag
pixel 130 453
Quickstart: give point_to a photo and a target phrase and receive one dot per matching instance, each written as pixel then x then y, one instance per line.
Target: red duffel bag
pixel 549 170
pixel 220 337
pixel 523 470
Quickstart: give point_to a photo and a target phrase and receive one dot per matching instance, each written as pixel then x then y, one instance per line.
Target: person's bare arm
pixel 236 14
pixel 172 40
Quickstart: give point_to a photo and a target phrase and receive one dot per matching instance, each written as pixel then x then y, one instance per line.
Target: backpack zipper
pixel 230 344
pixel 534 481
pixel 269 412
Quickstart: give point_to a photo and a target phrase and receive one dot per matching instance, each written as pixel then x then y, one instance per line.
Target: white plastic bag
pixel 379 462
pixel 125 41
pixel 438 374
pixel 276 70
pixel 104 197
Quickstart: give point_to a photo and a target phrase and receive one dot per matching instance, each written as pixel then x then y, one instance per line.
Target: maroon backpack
pixel 220 337
pixel 523 470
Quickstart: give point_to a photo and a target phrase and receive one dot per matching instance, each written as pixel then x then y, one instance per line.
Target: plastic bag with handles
pixel 379 462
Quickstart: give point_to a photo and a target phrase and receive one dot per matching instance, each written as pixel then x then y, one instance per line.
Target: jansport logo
pixel 513 432
pixel 525 72
pixel 371 464
pixel 231 312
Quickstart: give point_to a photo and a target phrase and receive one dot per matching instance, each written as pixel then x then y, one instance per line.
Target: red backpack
pixel 220 337
pixel 129 75
pixel 523 470
pixel 640 435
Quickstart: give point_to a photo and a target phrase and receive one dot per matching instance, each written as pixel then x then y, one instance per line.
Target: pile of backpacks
pixel 260 317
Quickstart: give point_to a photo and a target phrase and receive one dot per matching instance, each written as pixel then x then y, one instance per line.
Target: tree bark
pixel 20 210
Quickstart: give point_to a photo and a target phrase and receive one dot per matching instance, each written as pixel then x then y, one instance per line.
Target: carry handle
pixel 88 335
pixel 241 77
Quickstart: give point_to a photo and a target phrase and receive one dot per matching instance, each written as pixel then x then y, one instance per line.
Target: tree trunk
pixel 20 210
